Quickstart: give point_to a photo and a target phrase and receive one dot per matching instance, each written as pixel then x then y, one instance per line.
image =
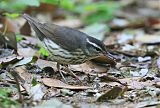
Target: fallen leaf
pixel 89 68
pixel 158 62
pixel 111 94
pixel 73 23
pixel 124 37
pixel 96 30
pixel 44 63
pixel 85 67
pixel 147 104
pixel 153 91
pixel 30 40
pixel 25 60
pixel 36 92
pixel 9 39
pixel 2 41
pixel 59 84
pixel 146 39
pixel 21 71
pixel 142 73
pixel 53 103
pixel 25 29
pixel 67 92
pixel 143 59
pixel 9 60
pixel 126 20
pixel 119 22
pixel 106 78
pixel 26 52
pixel 136 82
pixel 6 52
pixel 128 47
pixel 157 85
pixel 11 27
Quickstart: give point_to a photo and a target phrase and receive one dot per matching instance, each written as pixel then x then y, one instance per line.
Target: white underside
pixel 58 56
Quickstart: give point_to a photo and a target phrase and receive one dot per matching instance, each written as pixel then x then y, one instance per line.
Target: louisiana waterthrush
pixel 66 45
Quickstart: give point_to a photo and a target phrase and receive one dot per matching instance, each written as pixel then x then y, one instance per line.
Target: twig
pixel 17 79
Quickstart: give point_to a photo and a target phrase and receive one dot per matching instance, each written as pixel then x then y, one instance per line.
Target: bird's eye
pixel 97 49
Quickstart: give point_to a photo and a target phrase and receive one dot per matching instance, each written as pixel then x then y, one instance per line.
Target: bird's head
pixel 96 47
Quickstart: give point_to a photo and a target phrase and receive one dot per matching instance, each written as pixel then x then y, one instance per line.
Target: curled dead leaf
pixel 8 40
pixel 9 60
pixel 59 84
pixel 110 94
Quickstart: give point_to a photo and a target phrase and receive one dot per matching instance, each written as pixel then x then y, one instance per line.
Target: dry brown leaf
pixel 44 63
pixel 59 84
pixel 10 59
pixel 81 68
pixel 110 94
pixel 148 38
pixel 73 23
pixel 135 83
pixel 11 27
pixel 30 40
pixel 89 68
pixel 85 67
pixel 157 85
pixel 24 74
pixel 25 29
pixel 10 40
pixel 106 78
pixel 26 52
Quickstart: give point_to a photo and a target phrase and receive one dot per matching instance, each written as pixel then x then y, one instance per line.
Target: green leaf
pixel 51 1
pixel 5 100
pixel 11 15
pixel 96 11
pixel 67 4
pixel 28 2
pixel 34 81
pixel 53 103
pixel 90 7
pixel 18 37
pixel 43 51
pixel 4 92
pixel 17 5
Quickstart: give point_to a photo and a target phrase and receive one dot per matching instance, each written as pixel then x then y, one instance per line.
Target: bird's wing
pixel 67 38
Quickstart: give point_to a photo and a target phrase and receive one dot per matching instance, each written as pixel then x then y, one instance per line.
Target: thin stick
pixel 16 78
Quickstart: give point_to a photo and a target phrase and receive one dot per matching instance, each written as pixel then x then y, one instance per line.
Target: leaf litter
pixel 136 74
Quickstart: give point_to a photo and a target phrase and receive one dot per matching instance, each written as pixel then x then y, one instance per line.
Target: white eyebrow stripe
pixel 93 44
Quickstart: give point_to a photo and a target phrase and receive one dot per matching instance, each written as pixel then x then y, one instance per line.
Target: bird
pixel 67 46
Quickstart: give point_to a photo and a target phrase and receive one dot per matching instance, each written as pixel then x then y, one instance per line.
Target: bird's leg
pixel 59 70
pixel 71 72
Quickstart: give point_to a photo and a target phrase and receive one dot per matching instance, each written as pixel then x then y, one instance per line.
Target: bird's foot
pixel 69 71
pixel 73 74
pixel 61 73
